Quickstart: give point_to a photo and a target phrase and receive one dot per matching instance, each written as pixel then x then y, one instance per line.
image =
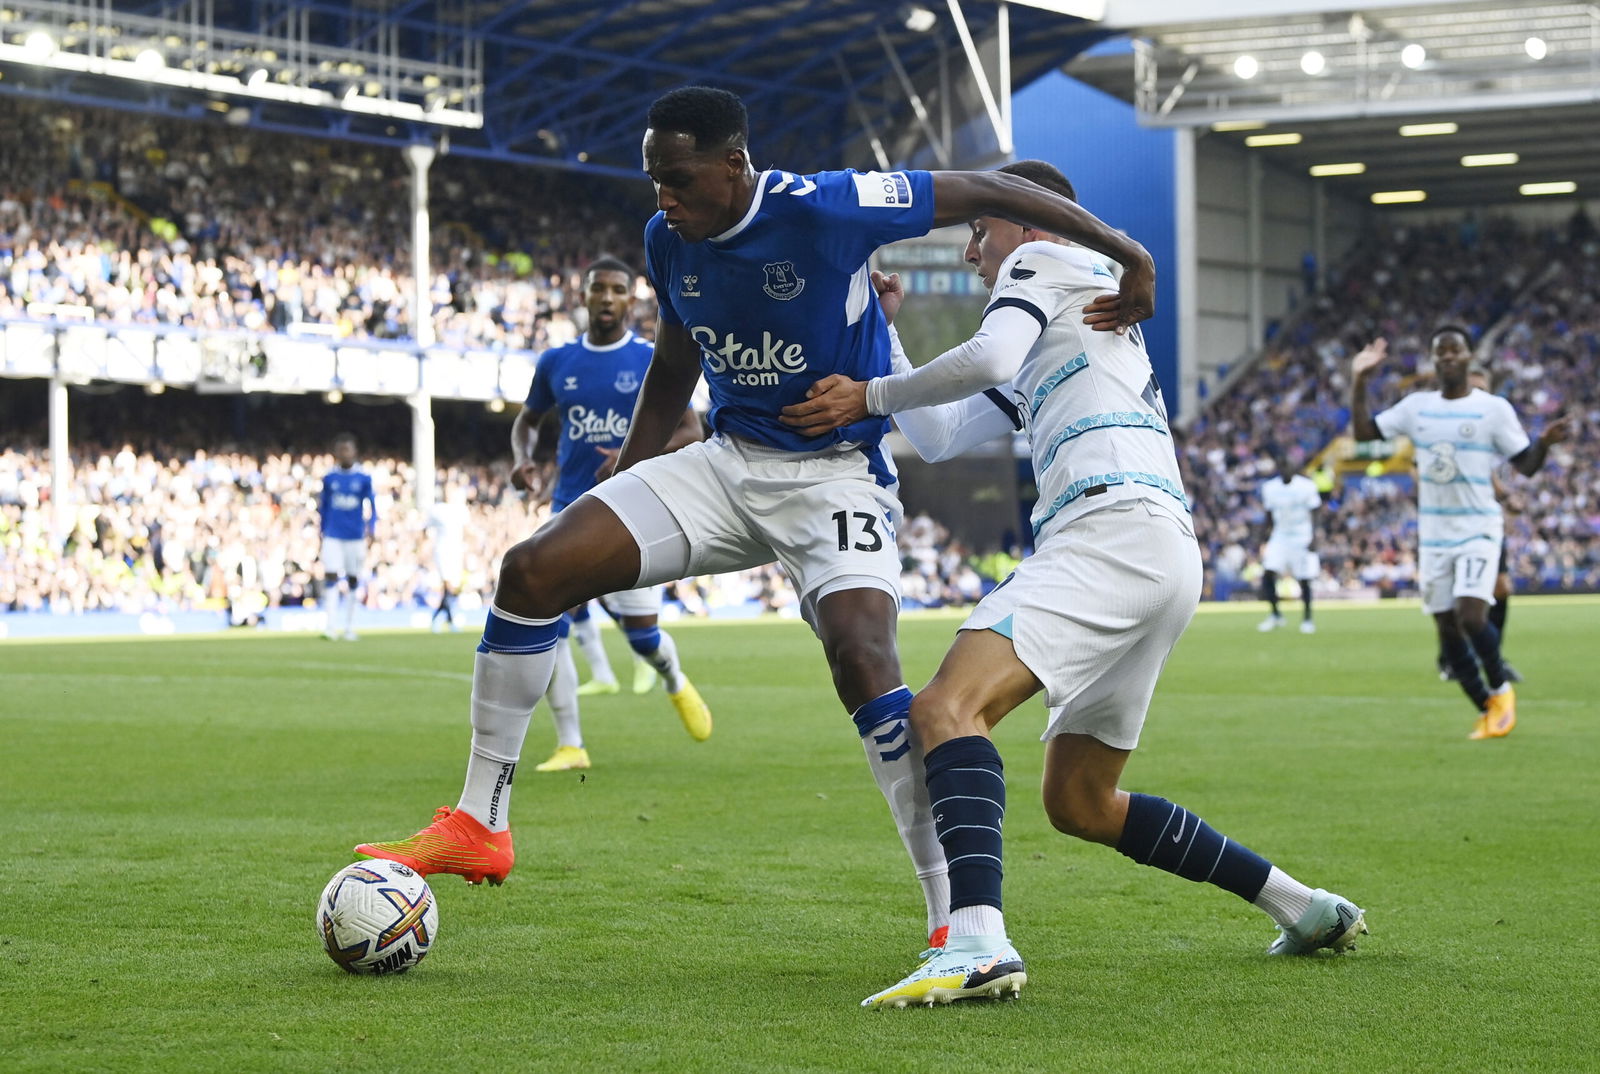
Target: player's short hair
pixel 1447 329
pixel 607 263
pixel 1044 174
pixel 714 118
pixel 345 438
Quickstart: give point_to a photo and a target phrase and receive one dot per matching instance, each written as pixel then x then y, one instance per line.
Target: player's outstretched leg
pixel 563 697
pixel 1269 593
pixel 656 646
pixel 586 630
pixel 584 551
pixel 1500 714
pixel 966 784
pixel 1463 662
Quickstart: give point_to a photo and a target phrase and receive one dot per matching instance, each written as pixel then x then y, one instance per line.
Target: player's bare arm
pixel 525 473
pixel 1367 359
pixel 688 432
pixel 1530 459
pixel 664 396
pixel 960 197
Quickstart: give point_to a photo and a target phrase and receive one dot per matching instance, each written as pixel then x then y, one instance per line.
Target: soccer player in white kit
pixel 1461 434
pixel 447 525
pixel 1290 499
pixel 1089 618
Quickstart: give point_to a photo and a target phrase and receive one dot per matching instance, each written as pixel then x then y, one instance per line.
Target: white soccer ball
pixel 377 917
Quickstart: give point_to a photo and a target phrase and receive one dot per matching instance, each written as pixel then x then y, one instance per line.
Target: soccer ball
pixel 377 917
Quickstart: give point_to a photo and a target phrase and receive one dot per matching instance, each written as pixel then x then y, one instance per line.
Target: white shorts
pixel 451 565
pixel 646 601
pixel 741 505
pixel 1296 562
pixel 1094 613
pixel 346 559
pixel 1464 570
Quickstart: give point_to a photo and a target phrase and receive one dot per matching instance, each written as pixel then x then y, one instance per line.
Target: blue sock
pixel 893 706
pixel 1486 643
pixel 564 626
pixel 643 640
pixel 1458 654
pixel 1168 836
pixel 967 787
pixel 501 635
pixel 582 614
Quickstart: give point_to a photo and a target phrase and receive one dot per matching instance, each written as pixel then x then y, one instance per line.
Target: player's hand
pixel 525 478
pixel 1134 301
pixel 608 464
pixel 1557 431
pixel 1369 357
pixel 891 292
pixel 833 402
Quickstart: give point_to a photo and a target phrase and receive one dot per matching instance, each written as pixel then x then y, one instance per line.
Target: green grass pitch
pixel 173 807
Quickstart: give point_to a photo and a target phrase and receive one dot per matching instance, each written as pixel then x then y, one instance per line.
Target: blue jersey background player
pixel 349 515
pixel 591 385
pixel 763 284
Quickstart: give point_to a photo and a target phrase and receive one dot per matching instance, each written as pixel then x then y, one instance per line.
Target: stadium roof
pixel 562 82
pixel 1516 81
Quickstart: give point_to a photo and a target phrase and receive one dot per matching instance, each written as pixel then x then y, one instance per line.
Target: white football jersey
pixel 1088 400
pixel 1290 504
pixel 1459 442
pixel 447 522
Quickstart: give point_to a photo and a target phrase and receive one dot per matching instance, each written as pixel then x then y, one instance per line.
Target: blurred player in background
pixel 1461 434
pixel 763 285
pixel 591 385
pixel 447 525
pixel 1479 378
pixel 349 515
pixel 1089 618
pixel 1290 499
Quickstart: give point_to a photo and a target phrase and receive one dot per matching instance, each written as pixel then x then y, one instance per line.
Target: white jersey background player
pixel 1461 434
pixel 447 526
pixel 1089 618
pixel 1290 499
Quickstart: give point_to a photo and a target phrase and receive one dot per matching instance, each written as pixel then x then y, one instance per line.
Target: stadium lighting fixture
pixel 1536 48
pixel 1488 160
pixel 334 396
pixel 1313 63
pixel 1258 141
pixel 149 62
pixel 155 387
pixel 1246 67
pixel 497 405
pixel 1532 190
pixel 1414 56
pixel 39 45
pixel 258 78
pixel 1352 168
pixel 1424 130
pixel 1239 125
pixel 1398 197
pixel 918 19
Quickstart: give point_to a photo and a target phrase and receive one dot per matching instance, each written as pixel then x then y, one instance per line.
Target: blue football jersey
pixel 594 389
pixel 344 495
pixel 784 297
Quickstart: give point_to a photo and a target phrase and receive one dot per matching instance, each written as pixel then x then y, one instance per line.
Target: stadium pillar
pixel 60 462
pixel 1187 248
pixel 420 158
pixel 1256 228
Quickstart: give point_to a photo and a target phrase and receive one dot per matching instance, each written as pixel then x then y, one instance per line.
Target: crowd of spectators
pixel 1399 284
pixel 133 219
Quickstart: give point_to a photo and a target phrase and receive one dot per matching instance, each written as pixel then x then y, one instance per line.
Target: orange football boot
pixel 454 843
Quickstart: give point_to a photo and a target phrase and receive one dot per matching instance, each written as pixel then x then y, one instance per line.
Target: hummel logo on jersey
pixel 571 384
pixel 690 288
pixel 752 366
pixel 783 283
pixel 786 181
pixel 1020 273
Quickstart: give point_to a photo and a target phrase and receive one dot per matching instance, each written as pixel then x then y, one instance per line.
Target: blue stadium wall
pixel 1123 174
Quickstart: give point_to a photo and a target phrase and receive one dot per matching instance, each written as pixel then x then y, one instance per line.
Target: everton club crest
pixel 627 381
pixel 782 282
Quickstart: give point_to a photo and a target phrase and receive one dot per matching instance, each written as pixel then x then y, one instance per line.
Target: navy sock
pixel 643 640
pixel 1458 654
pixel 967 787
pixel 1486 643
pixel 1168 836
pixel 1269 590
pixel 1305 598
pixel 1497 616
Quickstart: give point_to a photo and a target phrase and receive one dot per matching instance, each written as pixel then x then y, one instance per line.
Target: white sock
pixel 505 688
pixel 587 635
pixel 335 593
pixel 350 610
pixel 563 698
pixel 902 783
pixel 986 921
pixel 665 661
pixel 1284 898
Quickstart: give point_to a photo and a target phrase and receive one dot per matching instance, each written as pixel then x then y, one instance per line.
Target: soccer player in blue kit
pixel 593 384
pixel 347 526
pixel 763 286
